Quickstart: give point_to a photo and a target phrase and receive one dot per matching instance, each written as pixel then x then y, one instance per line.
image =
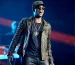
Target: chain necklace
pixel 36 32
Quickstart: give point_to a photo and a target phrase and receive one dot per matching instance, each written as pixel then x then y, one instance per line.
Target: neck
pixel 38 20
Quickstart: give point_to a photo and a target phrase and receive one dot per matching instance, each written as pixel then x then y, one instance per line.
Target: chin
pixel 38 16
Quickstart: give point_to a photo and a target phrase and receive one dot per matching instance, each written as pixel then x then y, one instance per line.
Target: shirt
pixel 34 44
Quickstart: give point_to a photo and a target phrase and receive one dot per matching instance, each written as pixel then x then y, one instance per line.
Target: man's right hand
pixel 10 59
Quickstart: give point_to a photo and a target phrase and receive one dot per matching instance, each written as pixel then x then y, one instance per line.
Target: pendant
pixel 36 33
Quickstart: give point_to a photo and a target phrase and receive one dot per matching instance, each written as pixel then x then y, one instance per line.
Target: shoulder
pixel 47 24
pixel 27 19
pixel 48 27
pixel 23 20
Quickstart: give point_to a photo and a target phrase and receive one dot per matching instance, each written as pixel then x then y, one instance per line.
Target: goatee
pixel 38 16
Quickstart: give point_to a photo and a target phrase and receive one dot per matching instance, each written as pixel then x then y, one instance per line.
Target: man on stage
pixel 34 33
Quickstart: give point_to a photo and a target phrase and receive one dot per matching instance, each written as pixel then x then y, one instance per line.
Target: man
pixel 35 35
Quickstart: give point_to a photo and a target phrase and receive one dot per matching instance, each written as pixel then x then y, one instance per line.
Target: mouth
pixel 40 12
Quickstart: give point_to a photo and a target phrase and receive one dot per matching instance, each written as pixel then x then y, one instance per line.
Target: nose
pixel 41 10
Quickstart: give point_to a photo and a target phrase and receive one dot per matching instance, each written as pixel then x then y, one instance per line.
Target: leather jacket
pixel 23 32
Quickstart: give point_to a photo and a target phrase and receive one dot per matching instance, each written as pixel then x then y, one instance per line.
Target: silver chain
pixel 36 32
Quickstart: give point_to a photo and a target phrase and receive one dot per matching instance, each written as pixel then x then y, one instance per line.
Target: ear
pixel 34 12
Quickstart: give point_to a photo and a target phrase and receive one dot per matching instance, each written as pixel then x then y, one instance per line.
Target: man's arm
pixel 49 47
pixel 16 37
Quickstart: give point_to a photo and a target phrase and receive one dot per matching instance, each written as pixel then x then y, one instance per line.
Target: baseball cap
pixel 37 3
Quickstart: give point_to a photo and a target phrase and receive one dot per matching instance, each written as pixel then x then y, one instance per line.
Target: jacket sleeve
pixel 49 45
pixel 17 36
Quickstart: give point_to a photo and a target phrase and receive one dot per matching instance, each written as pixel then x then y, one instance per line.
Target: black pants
pixel 34 61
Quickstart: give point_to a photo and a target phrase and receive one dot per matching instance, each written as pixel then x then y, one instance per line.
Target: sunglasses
pixel 40 7
pixel 43 8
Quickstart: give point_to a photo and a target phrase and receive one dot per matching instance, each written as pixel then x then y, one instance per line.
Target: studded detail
pixel 23 30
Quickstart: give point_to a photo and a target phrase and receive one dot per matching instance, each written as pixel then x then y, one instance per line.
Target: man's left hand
pixel 52 64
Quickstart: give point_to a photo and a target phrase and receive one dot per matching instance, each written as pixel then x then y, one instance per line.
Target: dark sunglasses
pixel 39 7
pixel 43 8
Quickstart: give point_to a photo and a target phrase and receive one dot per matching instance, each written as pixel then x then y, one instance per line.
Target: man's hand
pixel 10 59
pixel 52 64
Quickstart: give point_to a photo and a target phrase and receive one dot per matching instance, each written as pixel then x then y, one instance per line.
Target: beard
pixel 38 16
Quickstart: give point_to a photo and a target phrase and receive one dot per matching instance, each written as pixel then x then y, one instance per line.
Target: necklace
pixel 35 33
pixel 36 30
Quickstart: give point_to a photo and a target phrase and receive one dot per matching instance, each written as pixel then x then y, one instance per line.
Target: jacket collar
pixel 45 24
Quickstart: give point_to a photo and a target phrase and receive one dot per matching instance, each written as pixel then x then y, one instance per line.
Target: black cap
pixel 36 3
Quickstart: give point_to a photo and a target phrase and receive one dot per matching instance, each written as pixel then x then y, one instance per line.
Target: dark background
pixel 59 13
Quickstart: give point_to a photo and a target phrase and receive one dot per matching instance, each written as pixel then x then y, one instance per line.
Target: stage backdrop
pixel 59 13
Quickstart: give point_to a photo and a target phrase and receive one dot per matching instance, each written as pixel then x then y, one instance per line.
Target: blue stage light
pixel 5 56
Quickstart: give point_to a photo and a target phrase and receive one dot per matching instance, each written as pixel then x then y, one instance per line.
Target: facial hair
pixel 37 16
